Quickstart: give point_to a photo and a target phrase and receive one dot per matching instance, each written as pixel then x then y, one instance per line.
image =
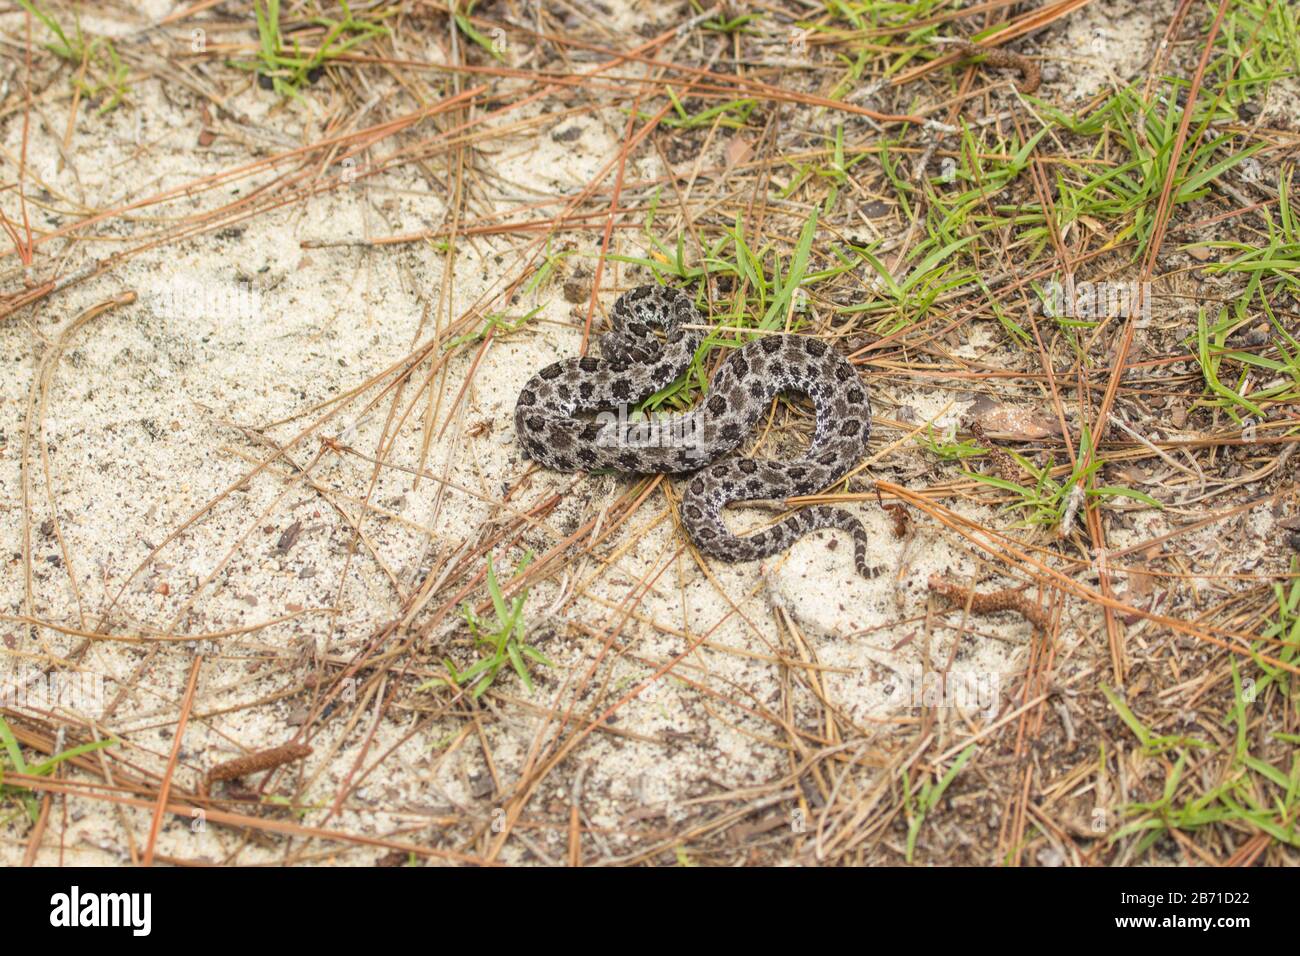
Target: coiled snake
pixel 637 363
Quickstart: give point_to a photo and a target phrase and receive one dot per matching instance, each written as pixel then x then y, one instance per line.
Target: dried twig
pixel 1029 70
pixel 1008 468
pixel 1004 599
pixel 258 761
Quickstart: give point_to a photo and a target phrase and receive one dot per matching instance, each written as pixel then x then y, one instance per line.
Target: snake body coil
pixel 637 363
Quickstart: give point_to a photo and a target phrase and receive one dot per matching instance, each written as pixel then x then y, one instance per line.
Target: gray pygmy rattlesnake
pixel 637 364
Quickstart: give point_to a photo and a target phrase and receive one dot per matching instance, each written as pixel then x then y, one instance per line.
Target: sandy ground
pixel 156 510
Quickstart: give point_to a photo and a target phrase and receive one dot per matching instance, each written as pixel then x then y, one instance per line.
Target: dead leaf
pixel 1013 422
pixel 288 538
pixel 738 150
pixel 206 135
pixel 1140 585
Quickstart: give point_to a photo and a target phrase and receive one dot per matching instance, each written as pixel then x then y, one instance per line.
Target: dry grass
pixel 1123 480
